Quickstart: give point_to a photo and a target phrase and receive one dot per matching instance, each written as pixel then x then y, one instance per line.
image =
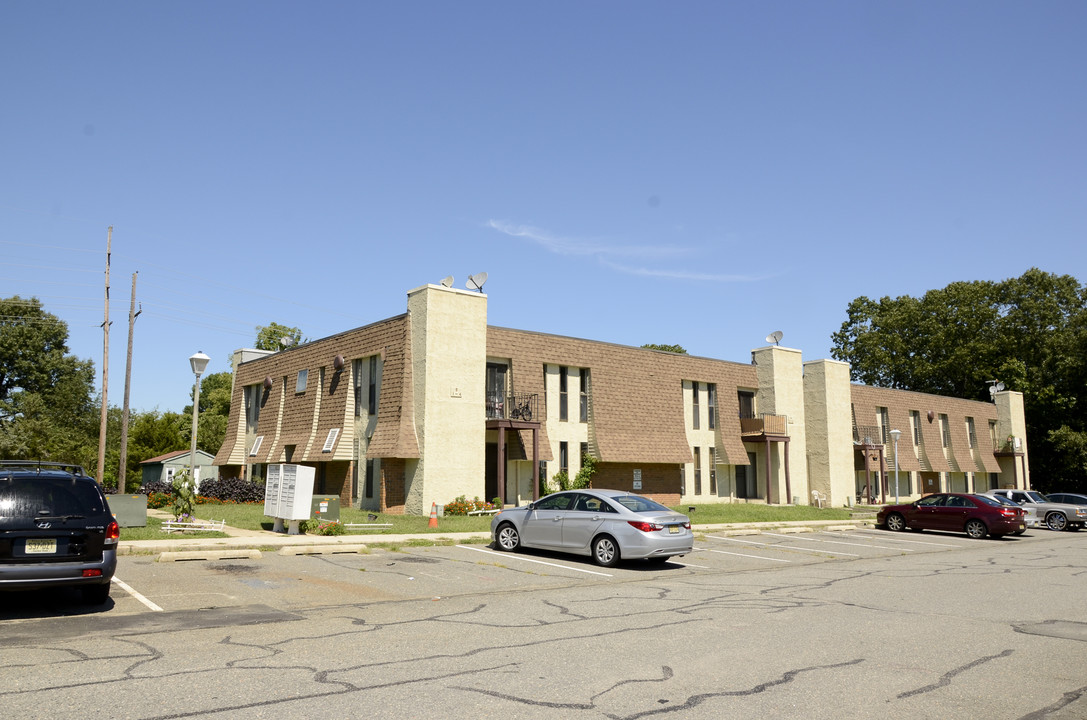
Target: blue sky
pixel 699 173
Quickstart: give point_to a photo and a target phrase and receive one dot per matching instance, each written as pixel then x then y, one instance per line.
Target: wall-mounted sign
pixel 637 479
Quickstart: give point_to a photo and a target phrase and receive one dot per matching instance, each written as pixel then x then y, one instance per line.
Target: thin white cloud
pixel 605 254
pixel 580 246
pixel 682 274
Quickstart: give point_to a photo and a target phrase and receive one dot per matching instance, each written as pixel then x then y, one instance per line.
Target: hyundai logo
pixel 44 524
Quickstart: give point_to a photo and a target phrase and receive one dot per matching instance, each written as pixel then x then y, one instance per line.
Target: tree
pixel 46 406
pixel 271 336
pixel 1029 332
pixel 678 349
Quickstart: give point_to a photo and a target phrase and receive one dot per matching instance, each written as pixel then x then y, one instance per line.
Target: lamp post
pixel 895 434
pixel 199 363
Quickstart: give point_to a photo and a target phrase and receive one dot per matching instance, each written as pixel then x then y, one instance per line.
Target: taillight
pixel 94 572
pixel 113 533
pixel 687 525
pixel 644 526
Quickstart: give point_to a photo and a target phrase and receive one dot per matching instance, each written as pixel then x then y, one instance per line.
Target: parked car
pixel 1005 501
pixel 607 525
pixel 975 515
pixel 56 529
pixel 1067 498
pixel 1041 511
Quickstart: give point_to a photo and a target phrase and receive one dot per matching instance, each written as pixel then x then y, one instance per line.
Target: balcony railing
pixel 764 424
pixel 518 406
pixel 868 435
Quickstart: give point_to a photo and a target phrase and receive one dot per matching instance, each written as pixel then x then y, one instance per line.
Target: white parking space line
pixel 757 557
pixel 512 556
pixel 788 547
pixel 914 542
pixel 881 547
pixel 836 542
pixel 684 564
pixel 128 589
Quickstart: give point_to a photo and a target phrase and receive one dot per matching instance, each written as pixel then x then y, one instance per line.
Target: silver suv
pixel 56 529
pixel 1040 511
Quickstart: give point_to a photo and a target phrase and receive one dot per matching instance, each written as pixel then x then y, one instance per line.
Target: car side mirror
pixel 531 506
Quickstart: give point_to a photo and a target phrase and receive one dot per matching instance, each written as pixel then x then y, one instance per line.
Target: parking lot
pixel 328 577
pixel 864 623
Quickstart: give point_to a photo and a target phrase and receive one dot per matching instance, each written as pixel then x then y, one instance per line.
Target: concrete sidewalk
pixel 250 543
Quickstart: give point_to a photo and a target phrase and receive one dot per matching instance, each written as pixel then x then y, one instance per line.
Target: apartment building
pixel 425 406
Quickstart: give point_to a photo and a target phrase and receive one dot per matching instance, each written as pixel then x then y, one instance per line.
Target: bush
pixel 231 490
pixel 315 526
pixel 462 506
pixel 159 500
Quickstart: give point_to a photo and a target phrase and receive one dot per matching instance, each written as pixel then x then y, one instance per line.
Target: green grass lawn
pixel 153 531
pixel 251 517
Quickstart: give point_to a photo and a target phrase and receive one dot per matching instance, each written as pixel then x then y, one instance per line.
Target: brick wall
pixel 659 482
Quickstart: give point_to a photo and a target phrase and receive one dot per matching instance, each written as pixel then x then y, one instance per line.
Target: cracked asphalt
pixel 857 624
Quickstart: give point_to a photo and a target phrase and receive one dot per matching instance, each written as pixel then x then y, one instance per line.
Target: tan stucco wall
pixel 1011 420
pixel 781 391
pixel 449 354
pixel 829 428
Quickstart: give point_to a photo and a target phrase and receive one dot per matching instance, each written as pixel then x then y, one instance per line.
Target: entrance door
pixel 490 473
pixel 747 478
pixel 930 483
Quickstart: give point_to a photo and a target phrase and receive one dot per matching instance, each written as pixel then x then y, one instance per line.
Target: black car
pixel 56 529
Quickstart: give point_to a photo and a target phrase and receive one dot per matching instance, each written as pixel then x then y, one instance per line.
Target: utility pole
pixel 105 370
pixel 132 315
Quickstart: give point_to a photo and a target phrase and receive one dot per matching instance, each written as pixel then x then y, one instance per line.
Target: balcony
pixel 868 435
pixel 522 406
pixel 765 424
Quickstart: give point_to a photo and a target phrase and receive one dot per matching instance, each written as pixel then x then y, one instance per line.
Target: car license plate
pixel 41 546
pixel 673 529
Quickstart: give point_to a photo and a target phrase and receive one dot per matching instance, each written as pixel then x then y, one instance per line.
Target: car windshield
pixel 1037 497
pixel 639 504
pixel 31 497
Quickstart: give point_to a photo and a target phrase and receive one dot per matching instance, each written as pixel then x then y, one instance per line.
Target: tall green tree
pixel 46 394
pixel 272 335
pixel 678 349
pixel 1029 332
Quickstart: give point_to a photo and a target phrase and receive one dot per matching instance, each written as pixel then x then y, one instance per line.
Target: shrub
pixel 159 500
pixel 316 526
pixel 231 490
pixel 462 506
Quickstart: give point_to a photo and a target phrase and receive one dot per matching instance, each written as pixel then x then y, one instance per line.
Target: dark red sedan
pixel 975 515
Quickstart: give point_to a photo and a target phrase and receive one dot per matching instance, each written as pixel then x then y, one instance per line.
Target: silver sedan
pixel 607 525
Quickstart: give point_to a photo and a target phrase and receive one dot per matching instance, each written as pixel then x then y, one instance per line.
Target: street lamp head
pixel 199 363
pixel 895 434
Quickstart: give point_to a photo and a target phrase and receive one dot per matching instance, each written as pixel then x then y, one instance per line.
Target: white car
pixel 1041 512
pixel 607 525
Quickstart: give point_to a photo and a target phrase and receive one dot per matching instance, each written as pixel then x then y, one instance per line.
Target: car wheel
pixel 976 529
pixel 605 551
pixel 1056 521
pixel 896 522
pixel 95 594
pixel 507 538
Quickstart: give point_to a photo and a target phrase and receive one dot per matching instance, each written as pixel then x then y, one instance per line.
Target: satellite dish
pixel 285 341
pixel 475 282
pixel 447 281
pixel 774 337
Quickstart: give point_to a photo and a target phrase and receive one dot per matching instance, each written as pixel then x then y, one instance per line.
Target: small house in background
pixel 164 467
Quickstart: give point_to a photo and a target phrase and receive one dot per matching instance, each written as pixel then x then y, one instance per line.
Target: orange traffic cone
pixel 433 515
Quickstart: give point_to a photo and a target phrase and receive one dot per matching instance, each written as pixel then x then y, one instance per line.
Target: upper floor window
pixel 583 399
pixel 945 430
pixel 971 432
pixel 496 390
pixel 711 405
pixel 564 373
pixel 915 416
pixel 252 407
pixel 884 423
pixel 300 384
pixel 695 407
pixel 371 389
pixel 747 403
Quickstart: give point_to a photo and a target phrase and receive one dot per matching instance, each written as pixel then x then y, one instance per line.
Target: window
pixel 356 375
pixel 884 423
pixel 945 431
pixel 563 379
pixel 711 401
pixel 300 385
pixel 971 432
pixel 713 470
pixel 256 445
pixel 369 483
pixel 584 450
pixel 583 408
pixel 252 407
pixel 698 471
pixel 564 457
pixel 496 390
pixel 915 416
pixel 371 400
pixel 694 418
pixel 747 403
